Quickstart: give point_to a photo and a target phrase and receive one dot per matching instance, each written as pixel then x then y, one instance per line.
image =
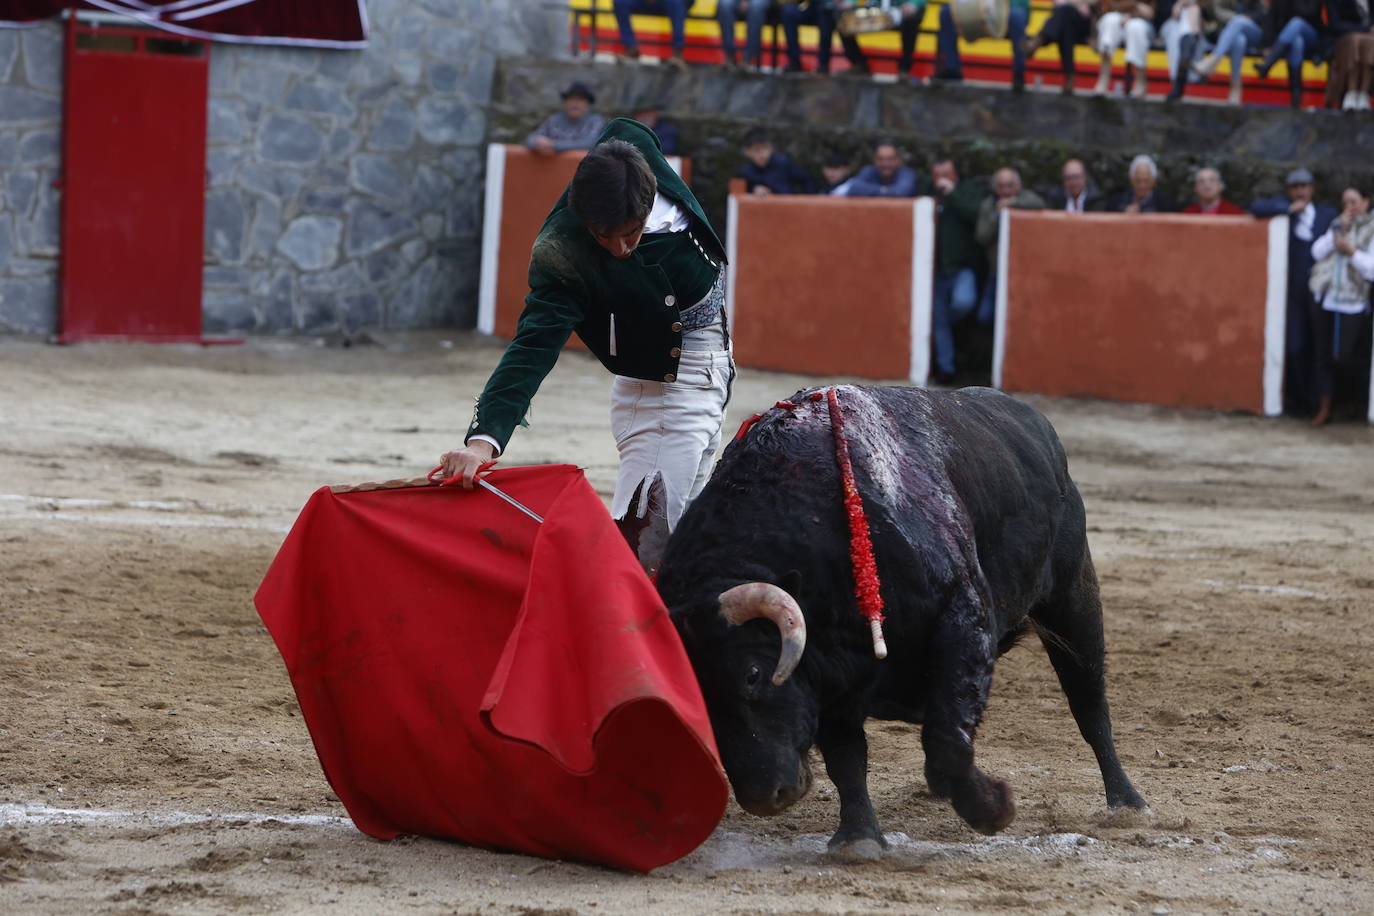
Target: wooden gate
pixel 133 204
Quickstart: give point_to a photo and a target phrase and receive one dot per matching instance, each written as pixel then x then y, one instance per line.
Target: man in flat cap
pixel 575 127
pixel 1307 221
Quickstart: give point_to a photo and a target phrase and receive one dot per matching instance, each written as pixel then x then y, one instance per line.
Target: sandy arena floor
pixel 153 759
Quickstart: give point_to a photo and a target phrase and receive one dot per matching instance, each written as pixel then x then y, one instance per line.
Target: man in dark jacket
pixel 766 171
pixel 1078 193
pixel 628 260
pixel 958 259
pixel 1142 196
pixel 1307 221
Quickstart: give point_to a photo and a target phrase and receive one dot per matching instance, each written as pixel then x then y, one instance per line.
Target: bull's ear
pixel 791 582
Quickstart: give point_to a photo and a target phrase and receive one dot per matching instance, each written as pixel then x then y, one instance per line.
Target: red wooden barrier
pixel 1159 309
pixel 832 285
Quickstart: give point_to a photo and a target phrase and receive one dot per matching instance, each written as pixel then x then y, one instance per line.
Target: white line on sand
pixel 13 815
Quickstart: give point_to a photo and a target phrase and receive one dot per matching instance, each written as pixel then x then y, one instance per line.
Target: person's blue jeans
pixel 956 295
pixel 1298 37
pixel 987 302
pixel 1238 37
pixel 727 12
pixel 675 10
pixel 947 62
pixel 822 17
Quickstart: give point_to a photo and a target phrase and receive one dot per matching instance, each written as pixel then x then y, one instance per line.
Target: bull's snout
pixel 779 797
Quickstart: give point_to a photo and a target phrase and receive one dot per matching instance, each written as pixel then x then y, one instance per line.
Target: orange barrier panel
pixel 824 285
pixel 1156 309
pixel 522 188
pixel 532 185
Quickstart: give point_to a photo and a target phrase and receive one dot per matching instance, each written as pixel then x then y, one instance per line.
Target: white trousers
pixel 672 429
pixel 1112 28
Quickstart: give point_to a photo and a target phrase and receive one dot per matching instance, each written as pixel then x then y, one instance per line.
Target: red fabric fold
pixel 466 672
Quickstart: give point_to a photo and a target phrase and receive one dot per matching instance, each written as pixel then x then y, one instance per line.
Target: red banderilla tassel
pixel 866 586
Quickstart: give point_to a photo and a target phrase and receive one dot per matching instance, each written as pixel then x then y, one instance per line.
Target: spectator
pixel 838 169
pixel 575 127
pixel 948 65
pixel 769 172
pixel 1340 285
pixel 1006 192
pixel 958 260
pixel 1079 193
pixel 754 13
pixel 1207 185
pixel 1188 27
pixel 1306 223
pixel 1142 196
pixel 821 14
pixel 909 14
pixel 1348 25
pixel 1128 22
pixel 1069 24
pixel 1298 25
pixel 649 112
pixel 1241 35
pixel 675 10
pixel 886 177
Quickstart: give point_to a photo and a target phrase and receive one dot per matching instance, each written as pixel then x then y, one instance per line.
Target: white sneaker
pixel 1351 101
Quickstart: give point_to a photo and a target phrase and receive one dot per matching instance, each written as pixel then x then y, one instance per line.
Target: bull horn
pixel 762 599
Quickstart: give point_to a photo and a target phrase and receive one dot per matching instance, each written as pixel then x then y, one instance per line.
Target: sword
pixel 514 502
pixel 486 486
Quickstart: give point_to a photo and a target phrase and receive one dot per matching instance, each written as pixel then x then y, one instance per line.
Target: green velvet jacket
pixel 625 311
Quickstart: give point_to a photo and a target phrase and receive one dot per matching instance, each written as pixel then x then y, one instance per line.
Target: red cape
pixel 466 672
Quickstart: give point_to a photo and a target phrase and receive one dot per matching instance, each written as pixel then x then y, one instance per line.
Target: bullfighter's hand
pixel 465 461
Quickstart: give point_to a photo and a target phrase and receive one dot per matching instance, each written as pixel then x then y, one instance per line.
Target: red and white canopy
pixel 314 23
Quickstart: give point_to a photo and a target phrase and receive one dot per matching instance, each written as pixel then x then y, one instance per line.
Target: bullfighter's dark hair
pixel 612 187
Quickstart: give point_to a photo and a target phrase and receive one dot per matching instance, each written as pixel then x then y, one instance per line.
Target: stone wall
pixel 345 187
pixel 981 128
pixel 30 148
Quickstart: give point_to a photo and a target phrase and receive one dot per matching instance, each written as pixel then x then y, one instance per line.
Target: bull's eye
pixel 752 677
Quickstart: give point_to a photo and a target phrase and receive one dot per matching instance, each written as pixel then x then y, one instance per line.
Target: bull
pixel 979 536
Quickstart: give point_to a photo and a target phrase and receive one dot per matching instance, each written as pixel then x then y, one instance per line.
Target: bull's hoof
pixel 865 850
pixel 1128 798
pixel 984 803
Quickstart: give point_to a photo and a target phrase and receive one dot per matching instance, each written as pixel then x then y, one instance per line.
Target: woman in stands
pixel 1348 24
pixel 1341 283
pixel 1243 34
pixel 1129 23
pixel 1297 25
pixel 1070 23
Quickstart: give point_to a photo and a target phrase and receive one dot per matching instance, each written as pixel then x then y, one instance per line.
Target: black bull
pixel 979 536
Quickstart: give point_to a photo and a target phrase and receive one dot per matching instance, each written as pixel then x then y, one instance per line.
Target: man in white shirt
pixel 1079 193
pixel 1307 221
